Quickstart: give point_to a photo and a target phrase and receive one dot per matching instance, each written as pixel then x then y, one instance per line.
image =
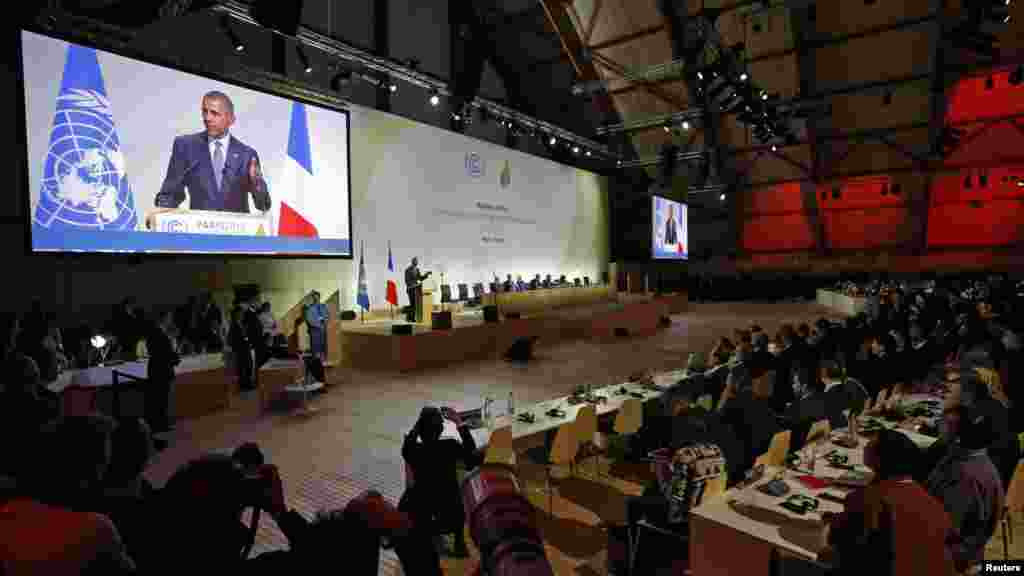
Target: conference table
pixel 529 434
pixel 736 533
pixel 202 385
pixel 848 305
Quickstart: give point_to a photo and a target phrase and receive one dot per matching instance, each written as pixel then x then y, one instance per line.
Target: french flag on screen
pixel 299 191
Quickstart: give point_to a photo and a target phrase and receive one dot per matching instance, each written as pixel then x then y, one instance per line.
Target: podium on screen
pixel 209 222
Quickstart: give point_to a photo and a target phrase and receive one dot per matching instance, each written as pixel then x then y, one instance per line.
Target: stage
pixel 371 345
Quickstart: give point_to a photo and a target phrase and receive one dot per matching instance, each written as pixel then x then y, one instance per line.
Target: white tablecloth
pixel 102 376
pixel 544 423
pixel 849 305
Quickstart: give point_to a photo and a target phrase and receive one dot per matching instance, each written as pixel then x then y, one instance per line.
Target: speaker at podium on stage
pixel 416 293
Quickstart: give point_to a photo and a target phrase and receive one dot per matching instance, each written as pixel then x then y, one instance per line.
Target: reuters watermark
pixel 1001 567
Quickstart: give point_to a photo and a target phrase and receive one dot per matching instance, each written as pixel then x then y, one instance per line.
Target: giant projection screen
pixel 128 156
pixel 669 230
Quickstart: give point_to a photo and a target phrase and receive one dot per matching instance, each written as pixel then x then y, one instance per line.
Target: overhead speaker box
pixel 402 329
pixel 441 320
pixel 491 314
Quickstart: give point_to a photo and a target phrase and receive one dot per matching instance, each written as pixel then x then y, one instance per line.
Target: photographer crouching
pixel 197 525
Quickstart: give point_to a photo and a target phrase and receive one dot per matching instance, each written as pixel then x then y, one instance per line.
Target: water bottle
pixel 511 405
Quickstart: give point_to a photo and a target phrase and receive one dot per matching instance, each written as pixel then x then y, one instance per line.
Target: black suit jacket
pixel 162 356
pixel 192 167
pixel 785 365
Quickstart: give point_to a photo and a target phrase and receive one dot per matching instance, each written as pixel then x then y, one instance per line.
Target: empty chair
pixel 586 432
pixel 777 450
pixel 628 421
pixel 446 293
pixel 563 453
pixel 499 448
pixel 463 292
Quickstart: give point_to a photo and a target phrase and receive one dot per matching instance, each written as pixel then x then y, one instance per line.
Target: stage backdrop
pixel 464 207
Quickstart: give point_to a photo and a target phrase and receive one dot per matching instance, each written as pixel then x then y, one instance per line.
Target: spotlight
pixel 618 163
pixel 393 88
pixel 435 99
pixel 306 66
pixel 553 141
pixel 686 124
pixel 575 149
pixel 700 75
pixel 775 148
pixel 722 197
pixel 743 77
pixel 764 96
pixel 667 127
pixel 456 116
pixel 225 25
pixel 587 154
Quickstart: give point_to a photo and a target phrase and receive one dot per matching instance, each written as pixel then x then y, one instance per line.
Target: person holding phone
pixel 433 498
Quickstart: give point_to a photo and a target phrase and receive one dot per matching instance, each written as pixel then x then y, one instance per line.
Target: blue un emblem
pixel 84 182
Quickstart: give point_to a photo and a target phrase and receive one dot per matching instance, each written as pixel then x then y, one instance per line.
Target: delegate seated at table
pixel 911 540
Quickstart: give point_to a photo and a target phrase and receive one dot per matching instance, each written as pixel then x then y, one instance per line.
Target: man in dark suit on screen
pixel 219 171
pixel 671 236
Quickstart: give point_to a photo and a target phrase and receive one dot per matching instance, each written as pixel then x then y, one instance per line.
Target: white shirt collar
pixel 225 141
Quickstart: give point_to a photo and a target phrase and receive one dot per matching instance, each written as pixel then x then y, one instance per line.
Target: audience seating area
pixel 738 449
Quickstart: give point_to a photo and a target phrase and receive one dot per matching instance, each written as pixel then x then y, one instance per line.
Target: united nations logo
pixel 173 226
pixel 84 183
pixel 474 165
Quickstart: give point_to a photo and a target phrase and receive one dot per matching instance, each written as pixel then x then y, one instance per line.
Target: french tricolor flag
pixel 298 193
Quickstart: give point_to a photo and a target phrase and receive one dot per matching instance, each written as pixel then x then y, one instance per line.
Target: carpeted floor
pixel 353 440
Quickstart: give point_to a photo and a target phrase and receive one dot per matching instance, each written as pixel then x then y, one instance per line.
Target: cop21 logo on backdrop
pixel 474 165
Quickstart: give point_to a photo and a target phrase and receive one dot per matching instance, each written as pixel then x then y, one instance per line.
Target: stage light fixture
pixel 667 127
pixel 236 42
pixel 307 67
pixel 775 148
pixel 686 124
pixel 435 99
pixel 393 87
pixel 587 154
pixel 722 197
pixel 552 141
pixel 618 163
pixel 764 96
pixel 743 77
pixel 575 149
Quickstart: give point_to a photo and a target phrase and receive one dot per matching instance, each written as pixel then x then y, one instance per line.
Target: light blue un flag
pixel 363 299
pixel 85 185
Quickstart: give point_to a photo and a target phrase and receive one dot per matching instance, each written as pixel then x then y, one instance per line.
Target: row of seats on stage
pixel 495 288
